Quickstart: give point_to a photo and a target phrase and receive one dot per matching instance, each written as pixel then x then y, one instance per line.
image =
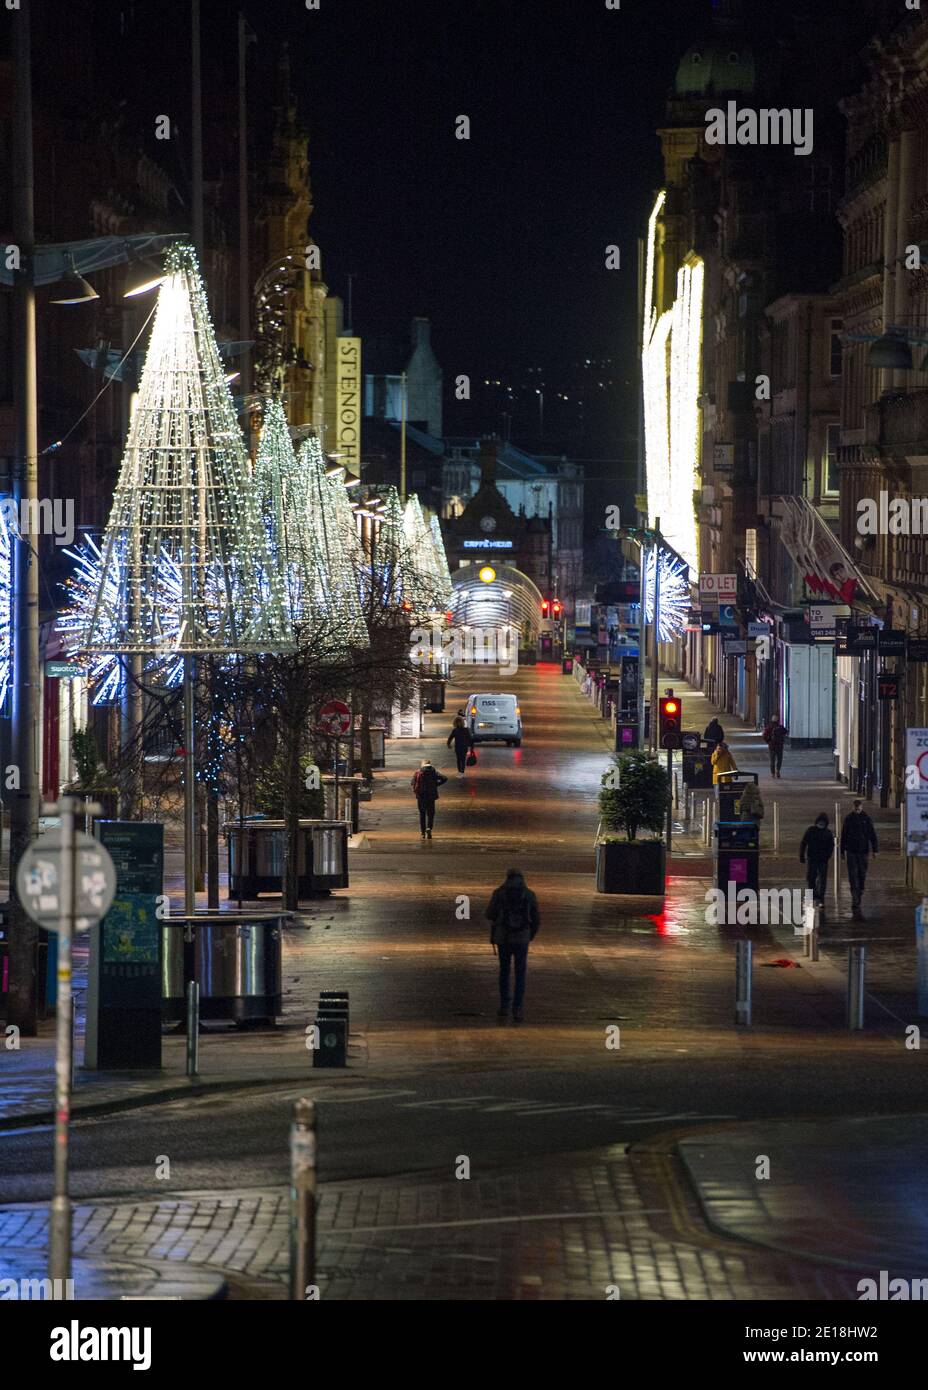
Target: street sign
pixel 916 797
pixel 758 629
pixel 335 718
pixel 727 615
pixel 38 877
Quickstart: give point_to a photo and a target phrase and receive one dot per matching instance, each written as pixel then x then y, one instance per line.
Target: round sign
pixel 335 718
pixel 38 880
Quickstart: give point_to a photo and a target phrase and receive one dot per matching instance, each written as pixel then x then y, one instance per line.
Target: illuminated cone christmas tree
pixel 282 492
pixel 445 587
pixel 185 512
pixel 334 544
pixel 424 577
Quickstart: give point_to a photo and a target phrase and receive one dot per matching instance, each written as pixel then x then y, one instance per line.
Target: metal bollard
pixel 856 976
pixel 776 827
pixel 743 955
pixel 193 1028
pixel 73 1039
pixel 302 1199
pixel 810 933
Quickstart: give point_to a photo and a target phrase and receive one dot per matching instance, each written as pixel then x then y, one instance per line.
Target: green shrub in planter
pixel 638 801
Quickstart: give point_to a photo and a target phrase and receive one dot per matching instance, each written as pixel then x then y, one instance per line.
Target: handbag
pixel 472 759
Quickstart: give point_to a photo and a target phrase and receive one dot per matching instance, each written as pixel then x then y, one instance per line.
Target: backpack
pixel 418 782
pixel 516 918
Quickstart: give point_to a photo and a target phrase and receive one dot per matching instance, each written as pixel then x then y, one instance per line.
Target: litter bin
pixel 235 957
pixel 328 855
pixel 378 746
pixel 322 857
pixel 737 854
pixel 349 794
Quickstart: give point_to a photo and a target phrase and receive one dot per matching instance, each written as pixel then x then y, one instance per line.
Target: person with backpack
pixel 463 741
pixel 775 737
pixel 818 845
pixel 425 784
pixel 514 918
pixel 858 838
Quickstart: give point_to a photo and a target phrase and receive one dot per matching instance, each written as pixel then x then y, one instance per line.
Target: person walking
pixel 858 838
pixel 514 922
pixel 463 741
pixel 818 845
pixel 723 760
pixel 775 737
pixel 714 734
pixel 425 784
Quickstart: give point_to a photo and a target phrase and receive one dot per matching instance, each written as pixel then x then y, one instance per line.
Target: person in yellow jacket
pixel 722 761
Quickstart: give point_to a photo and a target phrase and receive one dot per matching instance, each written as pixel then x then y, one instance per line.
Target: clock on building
pixel 487 524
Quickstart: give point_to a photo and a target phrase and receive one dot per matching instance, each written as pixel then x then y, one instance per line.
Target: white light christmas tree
pixel 185 504
pixel 445 587
pixel 424 576
pixel 334 543
pixel 393 576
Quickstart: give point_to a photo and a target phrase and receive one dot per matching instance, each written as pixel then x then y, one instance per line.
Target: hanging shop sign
pixel 348 403
pixel 887 686
pixel 63 671
pixel 734 646
pixel 861 638
pixel 891 642
pixel 917 649
pixel 758 629
pixel 823 619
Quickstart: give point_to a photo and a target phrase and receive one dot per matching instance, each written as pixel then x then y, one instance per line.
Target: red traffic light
pixel 670 713
pixel 544 606
pixel 557 608
pixel 670 707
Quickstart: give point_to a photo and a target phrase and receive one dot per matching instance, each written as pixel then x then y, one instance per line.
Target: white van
pixel 494 717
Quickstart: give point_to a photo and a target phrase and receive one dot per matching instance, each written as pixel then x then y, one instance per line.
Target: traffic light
pixel 556 608
pixel 670 728
pixel 545 606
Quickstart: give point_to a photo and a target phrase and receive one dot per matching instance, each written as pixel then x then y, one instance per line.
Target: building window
pixel 835 347
pixel 830 477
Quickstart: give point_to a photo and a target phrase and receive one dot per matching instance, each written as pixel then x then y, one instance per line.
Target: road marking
pixel 498 1221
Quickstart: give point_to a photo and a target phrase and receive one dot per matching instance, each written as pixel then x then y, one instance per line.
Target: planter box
pixel 633 867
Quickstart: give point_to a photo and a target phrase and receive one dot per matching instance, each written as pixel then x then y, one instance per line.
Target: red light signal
pixel 670 726
pixel 544 607
pixel 557 608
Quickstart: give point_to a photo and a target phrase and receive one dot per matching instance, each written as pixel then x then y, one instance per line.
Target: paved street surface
pixel 589 1166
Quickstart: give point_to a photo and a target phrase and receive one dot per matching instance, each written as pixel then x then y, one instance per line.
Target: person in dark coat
pixel 775 736
pixel 818 845
pixel 714 734
pixel 425 784
pixel 514 918
pixel 858 838
pixel 463 741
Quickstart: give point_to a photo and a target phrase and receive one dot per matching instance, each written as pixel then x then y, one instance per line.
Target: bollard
pixel 302 1199
pixel 193 1028
pixel 813 938
pixel 73 1039
pixel 776 827
pixel 810 926
pixel 856 976
pixel 837 855
pixel 706 833
pixel 743 954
